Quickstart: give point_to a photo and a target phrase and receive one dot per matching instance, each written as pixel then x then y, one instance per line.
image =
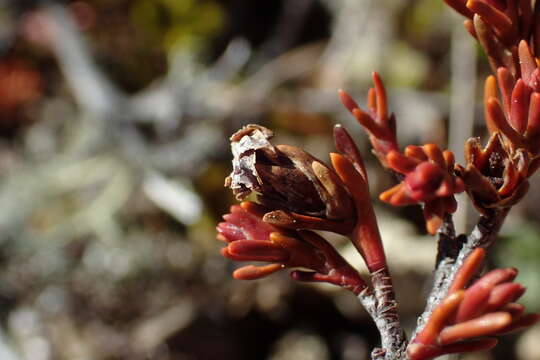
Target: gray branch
pixel 382 306
pixel 483 235
pixel 90 86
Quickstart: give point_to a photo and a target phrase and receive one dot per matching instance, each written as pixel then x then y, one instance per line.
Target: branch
pixel 381 304
pixel 448 251
pixel 483 235
pixel 91 87
pixel 448 247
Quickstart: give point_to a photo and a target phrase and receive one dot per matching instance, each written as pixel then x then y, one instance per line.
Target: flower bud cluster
pixel 298 193
pixel 300 190
pixel 468 318
pixel 518 117
pixel 249 238
pixel 426 172
pixel 380 125
pixel 499 25
pixel 428 179
pixel 496 176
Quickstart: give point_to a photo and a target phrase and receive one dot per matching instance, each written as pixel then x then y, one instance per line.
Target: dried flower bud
pixel 472 315
pixel 494 177
pixel 249 238
pixel 287 179
pixel 429 180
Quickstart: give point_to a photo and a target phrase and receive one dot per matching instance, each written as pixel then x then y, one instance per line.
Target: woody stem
pixel 483 235
pixel 379 301
pixel 448 246
pixel 383 309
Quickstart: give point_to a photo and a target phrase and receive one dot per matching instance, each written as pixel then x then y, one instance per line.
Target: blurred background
pixel 114 125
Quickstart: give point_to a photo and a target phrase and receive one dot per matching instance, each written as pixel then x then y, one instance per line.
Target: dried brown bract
pixel 494 176
pixel 287 180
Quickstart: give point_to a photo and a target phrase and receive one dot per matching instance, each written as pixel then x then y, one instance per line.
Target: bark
pixel 381 304
pixel 483 235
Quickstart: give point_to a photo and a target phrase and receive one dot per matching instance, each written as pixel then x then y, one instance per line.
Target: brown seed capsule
pixel 285 177
pixel 494 177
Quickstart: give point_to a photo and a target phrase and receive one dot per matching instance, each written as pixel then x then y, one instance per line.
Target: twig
pixel 483 235
pixel 448 250
pixel 381 304
pixel 91 87
pixel 447 246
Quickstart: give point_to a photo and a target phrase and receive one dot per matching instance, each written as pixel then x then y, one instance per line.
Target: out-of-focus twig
pixel 91 88
pixel 6 352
